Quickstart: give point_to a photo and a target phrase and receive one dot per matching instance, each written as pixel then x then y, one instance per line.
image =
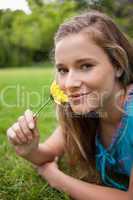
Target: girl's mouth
pixel 78 97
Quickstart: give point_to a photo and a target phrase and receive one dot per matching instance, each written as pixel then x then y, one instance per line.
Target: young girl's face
pixel 84 73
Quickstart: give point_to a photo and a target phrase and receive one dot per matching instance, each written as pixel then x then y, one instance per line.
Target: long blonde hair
pixel 80 131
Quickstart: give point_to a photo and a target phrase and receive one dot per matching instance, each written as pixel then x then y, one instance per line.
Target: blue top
pixel 119 155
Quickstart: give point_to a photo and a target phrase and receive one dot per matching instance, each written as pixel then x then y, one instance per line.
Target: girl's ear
pixel 119 72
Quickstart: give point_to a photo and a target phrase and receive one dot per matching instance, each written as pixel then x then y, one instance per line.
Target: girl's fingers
pixel 29 119
pixel 13 137
pixel 19 133
pixel 25 129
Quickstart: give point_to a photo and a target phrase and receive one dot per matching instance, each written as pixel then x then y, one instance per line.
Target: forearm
pixel 41 155
pixel 80 190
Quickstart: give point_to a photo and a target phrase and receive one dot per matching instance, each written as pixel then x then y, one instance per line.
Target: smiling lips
pixel 75 97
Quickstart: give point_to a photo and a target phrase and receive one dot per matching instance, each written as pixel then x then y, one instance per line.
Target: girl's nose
pixel 73 80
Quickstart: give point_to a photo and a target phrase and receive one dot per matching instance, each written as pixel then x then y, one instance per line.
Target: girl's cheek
pixel 62 86
pixel 61 83
pixel 59 80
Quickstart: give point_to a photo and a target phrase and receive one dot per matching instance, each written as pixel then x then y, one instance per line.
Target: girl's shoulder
pixel 129 101
pixel 126 124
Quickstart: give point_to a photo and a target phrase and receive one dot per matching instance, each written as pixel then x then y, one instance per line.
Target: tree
pixel 29 38
pixel 120 10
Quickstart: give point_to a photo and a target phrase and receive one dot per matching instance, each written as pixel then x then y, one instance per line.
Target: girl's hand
pixel 50 173
pixel 23 134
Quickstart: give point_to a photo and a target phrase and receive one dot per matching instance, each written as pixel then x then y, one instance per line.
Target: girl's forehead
pixel 73 39
pixel 76 46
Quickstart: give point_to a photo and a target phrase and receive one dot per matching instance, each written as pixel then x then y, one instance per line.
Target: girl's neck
pixel 114 108
pixel 109 123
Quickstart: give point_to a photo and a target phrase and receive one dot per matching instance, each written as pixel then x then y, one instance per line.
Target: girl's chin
pixel 81 110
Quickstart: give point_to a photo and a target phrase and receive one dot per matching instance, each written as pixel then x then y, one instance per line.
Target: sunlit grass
pixel 21 89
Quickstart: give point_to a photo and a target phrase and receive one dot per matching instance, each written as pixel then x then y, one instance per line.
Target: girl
pixel 94 63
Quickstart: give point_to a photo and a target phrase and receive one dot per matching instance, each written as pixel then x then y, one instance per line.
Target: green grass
pixel 21 89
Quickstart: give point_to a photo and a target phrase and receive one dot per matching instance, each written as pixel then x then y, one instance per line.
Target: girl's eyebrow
pixel 81 60
pixel 84 60
pixel 58 65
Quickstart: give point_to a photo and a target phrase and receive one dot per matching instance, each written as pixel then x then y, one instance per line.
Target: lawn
pixel 21 89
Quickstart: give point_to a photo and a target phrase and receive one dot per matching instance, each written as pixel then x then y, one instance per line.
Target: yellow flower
pixel 58 95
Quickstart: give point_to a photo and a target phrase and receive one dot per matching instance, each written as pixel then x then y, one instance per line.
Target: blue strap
pixel 105 158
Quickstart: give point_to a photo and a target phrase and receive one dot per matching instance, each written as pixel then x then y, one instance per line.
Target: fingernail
pixel 12 135
pixel 31 125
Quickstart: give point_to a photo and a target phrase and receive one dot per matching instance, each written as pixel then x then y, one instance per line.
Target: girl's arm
pixel 80 190
pixel 47 151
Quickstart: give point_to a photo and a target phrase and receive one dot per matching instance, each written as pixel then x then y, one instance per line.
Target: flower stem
pixel 41 108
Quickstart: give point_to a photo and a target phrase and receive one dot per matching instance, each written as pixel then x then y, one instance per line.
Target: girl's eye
pixel 86 66
pixel 62 70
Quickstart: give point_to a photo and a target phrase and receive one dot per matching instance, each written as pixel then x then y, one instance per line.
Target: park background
pixel 26 72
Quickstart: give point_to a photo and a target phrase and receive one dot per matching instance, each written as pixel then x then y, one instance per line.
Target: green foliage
pixel 35 4
pixel 29 38
pixel 26 39
pixel 120 10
